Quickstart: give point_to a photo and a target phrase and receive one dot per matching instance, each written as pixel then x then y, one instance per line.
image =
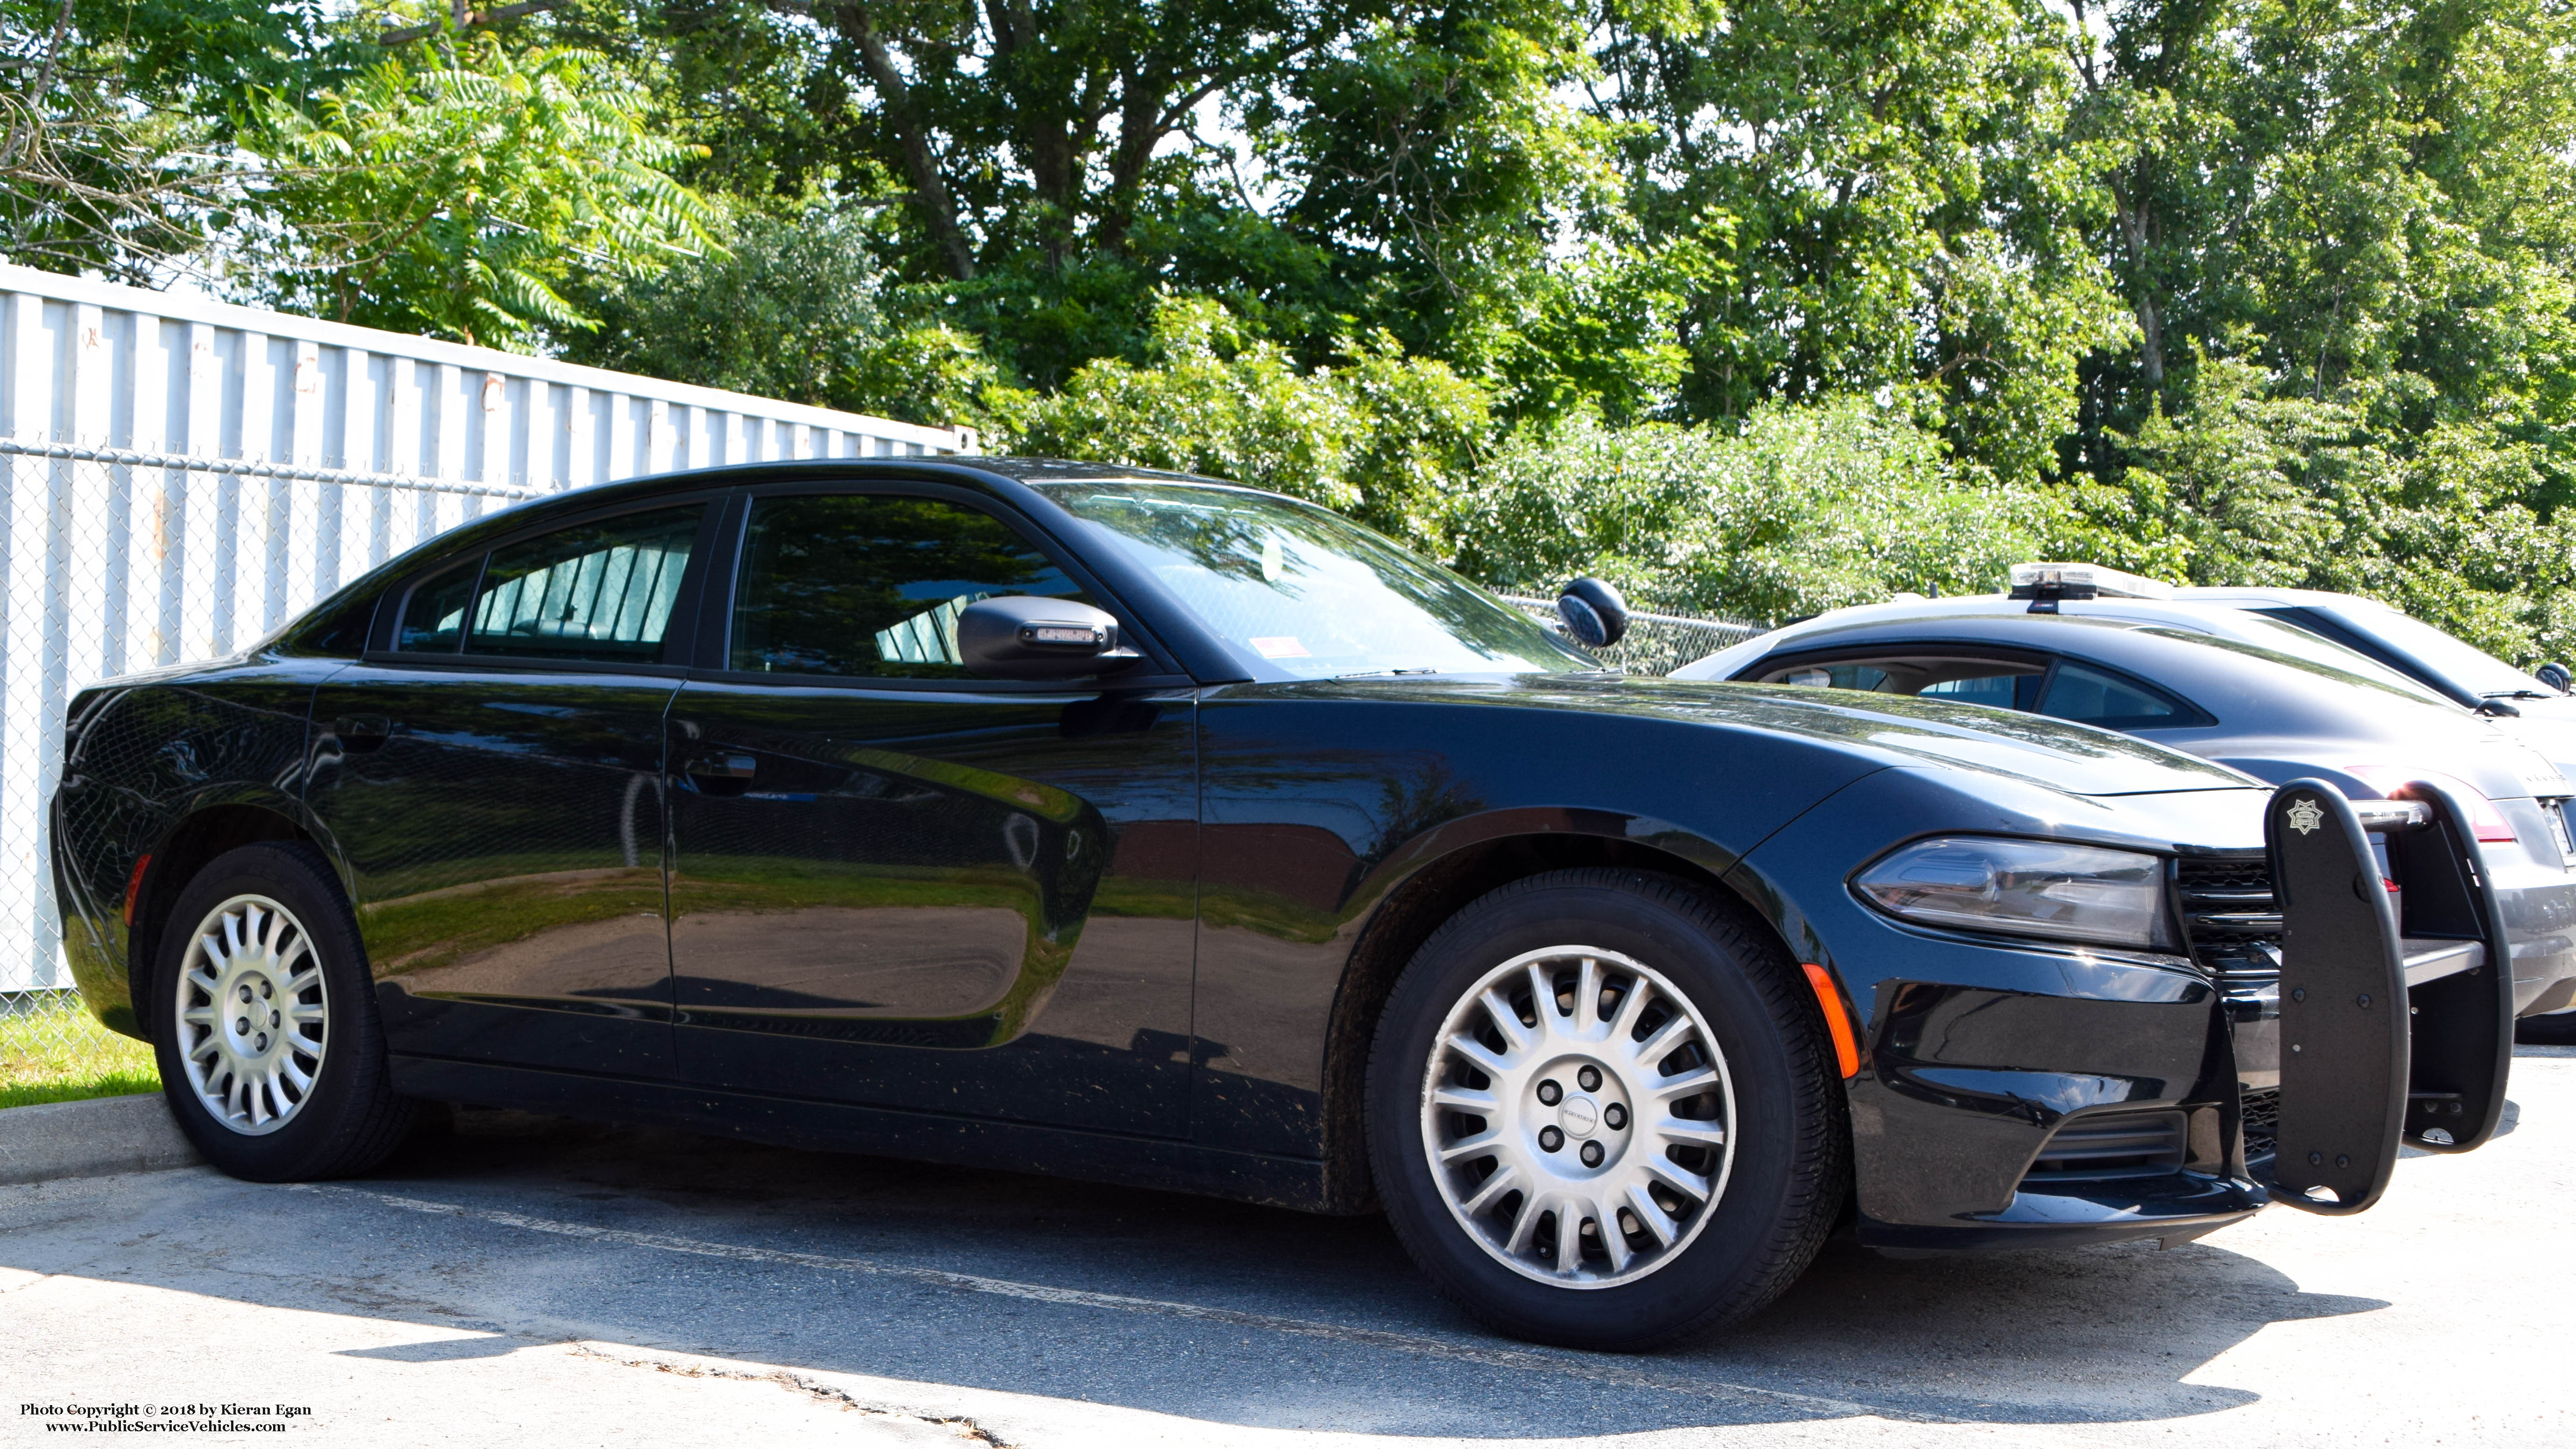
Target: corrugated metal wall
pixel 185 476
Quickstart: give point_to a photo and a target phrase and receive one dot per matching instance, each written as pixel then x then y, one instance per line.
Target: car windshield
pixel 2466 666
pixel 2288 638
pixel 1309 593
pixel 2380 680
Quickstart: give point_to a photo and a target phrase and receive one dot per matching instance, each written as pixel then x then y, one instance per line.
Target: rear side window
pixel 2090 696
pixel 599 592
pixel 871 585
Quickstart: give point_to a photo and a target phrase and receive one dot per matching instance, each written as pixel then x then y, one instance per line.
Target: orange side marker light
pixel 1837 1022
pixel 134 886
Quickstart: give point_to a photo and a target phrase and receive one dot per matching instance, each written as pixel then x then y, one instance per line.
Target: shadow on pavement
pixel 2100 1336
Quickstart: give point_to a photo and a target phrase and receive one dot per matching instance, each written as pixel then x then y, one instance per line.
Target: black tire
pixel 349 1117
pixel 1791 1170
pixel 2556 1029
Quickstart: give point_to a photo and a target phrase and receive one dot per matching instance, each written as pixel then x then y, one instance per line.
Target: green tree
pixel 794 306
pixel 2373 202
pixel 1889 199
pixel 456 200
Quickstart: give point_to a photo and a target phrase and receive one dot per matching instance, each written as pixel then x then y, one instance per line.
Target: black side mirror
pixel 1021 636
pixel 1593 612
pixel 2555 675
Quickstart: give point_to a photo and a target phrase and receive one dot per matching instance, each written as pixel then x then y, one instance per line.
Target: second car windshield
pixel 2465 665
pixel 1307 592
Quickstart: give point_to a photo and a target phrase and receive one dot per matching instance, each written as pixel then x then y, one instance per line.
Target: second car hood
pixel 2072 758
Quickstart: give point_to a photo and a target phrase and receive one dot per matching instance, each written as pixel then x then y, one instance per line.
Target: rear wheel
pixel 266 1029
pixel 1600 1112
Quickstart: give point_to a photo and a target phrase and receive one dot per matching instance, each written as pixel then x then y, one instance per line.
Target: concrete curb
pixel 99 1137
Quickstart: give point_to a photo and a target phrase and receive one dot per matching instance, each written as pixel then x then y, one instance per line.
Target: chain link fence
pixel 113 561
pixel 1654 643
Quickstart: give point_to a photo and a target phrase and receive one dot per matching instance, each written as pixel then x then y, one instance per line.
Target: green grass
pixel 57 1052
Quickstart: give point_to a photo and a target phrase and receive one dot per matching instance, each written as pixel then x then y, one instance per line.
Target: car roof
pixel 2213 620
pixel 2224 672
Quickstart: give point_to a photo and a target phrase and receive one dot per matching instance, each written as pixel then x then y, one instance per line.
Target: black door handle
pixel 362 731
pixel 721 773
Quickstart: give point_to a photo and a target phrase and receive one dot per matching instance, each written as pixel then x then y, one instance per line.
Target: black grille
pixel 2260 1110
pixel 2233 920
pixel 2109 1145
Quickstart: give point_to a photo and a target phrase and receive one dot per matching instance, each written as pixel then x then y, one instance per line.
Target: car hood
pixel 1900 731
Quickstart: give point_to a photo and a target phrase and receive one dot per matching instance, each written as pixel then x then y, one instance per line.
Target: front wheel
pixel 1600 1111
pixel 266 1029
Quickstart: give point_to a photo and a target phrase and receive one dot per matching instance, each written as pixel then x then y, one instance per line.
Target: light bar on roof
pixel 2083 581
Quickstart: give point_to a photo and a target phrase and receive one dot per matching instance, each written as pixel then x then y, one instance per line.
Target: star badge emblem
pixel 2305 815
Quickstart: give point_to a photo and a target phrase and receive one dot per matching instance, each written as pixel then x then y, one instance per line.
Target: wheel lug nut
pixel 245 991
pixel 1550 1139
pixel 262 1045
pixel 266 990
pixel 241 1024
pixel 1615 1115
pixel 274 1019
pixel 1590 1077
pixel 1550 1093
pixel 1592 1154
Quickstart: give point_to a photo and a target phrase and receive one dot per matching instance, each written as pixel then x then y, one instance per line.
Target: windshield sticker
pixel 1283 646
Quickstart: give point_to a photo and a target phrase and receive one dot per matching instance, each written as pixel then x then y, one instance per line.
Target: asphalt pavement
pixel 533 1281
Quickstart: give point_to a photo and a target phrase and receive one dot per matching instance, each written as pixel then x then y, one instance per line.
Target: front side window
pixel 871 585
pixel 599 592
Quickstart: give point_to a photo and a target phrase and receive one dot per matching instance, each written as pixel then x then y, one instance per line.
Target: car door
pixel 899 886
pixel 491 773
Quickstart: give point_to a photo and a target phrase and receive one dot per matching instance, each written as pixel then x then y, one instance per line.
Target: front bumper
pixel 2018 1095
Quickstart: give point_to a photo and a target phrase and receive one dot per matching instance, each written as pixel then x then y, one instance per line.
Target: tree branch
pixel 493 16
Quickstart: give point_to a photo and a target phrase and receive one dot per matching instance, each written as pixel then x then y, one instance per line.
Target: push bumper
pixel 2363 1037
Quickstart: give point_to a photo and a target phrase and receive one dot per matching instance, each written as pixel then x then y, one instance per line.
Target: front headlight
pixel 2026 888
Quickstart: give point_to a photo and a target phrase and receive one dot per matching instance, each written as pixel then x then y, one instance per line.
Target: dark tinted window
pixel 434 620
pixel 2004 687
pixel 864 584
pixel 2092 697
pixel 2002 684
pixel 597 591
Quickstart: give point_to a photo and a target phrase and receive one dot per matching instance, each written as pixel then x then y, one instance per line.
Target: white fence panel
pixel 184 476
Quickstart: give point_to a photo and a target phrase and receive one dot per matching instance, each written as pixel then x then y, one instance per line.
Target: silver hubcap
pixel 1577 1114
pixel 252 1012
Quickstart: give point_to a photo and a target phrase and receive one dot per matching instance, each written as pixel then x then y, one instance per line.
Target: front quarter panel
pixel 1976 1048
pixel 1319 801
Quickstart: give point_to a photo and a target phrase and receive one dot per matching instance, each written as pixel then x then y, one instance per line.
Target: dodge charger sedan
pixel 1156 831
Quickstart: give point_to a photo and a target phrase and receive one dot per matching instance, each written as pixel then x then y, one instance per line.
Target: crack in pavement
pixel 1598 1368
pixel 795 1382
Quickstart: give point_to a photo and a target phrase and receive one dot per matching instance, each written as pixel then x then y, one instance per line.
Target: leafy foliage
pixel 1757 306
pixel 796 307
pixel 456 200
pixel 1377 438
pixel 1805 508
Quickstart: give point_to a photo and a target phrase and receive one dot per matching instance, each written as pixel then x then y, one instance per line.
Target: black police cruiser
pixel 1146 829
